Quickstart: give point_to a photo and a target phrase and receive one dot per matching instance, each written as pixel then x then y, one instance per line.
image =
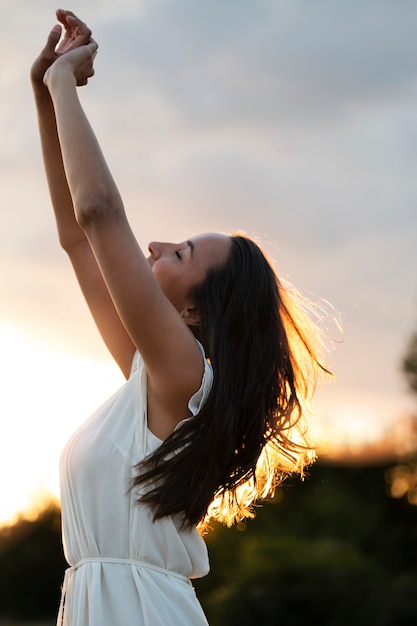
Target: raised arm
pixel 154 324
pixel 71 236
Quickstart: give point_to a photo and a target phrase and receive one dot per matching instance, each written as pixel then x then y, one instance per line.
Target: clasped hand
pixel 77 48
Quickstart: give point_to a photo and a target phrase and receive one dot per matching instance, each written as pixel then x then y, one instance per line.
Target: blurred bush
pixel 335 550
pixel 31 567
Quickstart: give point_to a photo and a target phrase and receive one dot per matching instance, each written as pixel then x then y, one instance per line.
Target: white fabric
pixel 126 570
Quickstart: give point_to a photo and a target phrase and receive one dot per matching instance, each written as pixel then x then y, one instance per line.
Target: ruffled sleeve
pixel 198 399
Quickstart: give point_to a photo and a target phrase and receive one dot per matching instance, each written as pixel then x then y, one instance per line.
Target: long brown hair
pixel 250 433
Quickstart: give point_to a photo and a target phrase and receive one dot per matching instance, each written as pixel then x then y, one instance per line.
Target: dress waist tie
pixel 66 586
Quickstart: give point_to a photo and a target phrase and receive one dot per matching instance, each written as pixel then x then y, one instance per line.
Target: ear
pixel 191 316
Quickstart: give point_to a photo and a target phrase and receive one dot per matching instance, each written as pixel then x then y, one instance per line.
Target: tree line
pixel 336 549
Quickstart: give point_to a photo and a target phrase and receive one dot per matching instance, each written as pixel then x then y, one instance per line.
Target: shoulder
pixel 165 411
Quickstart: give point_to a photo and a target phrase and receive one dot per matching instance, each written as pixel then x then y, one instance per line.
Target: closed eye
pixel 178 253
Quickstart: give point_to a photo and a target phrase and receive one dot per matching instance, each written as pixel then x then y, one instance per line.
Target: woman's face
pixel 179 268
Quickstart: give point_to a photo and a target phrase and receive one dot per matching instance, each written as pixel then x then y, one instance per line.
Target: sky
pixel 291 120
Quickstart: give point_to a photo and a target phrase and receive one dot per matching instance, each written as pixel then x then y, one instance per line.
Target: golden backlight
pixel 45 396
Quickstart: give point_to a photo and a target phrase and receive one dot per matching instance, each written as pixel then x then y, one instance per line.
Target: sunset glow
pixel 45 396
pixel 261 117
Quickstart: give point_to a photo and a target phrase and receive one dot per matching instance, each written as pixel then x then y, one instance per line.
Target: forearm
pixel 92 188
pixel 69 230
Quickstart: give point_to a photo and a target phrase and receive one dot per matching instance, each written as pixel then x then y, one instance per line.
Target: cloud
pixel 263 61
pixel 292 120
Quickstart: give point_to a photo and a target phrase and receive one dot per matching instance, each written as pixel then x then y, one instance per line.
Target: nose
pixel 158 248
pixel 154 248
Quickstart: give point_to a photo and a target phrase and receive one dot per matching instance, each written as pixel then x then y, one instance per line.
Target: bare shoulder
pixel 168 397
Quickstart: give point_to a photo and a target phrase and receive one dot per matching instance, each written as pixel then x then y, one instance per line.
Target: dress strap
pixel 69 572
pixel 134 562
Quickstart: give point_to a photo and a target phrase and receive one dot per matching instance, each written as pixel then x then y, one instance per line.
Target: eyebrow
pixel 192 246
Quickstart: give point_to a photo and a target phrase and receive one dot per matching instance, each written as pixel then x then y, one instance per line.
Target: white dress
pixel 126 570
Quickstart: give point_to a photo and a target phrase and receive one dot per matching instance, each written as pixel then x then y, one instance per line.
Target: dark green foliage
pixel 31 567
pixel 409 364
pixel 336 551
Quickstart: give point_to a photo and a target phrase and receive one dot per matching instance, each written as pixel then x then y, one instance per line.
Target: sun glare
pixel 45 396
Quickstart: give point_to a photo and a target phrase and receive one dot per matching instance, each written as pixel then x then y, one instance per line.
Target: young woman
pixel 219 362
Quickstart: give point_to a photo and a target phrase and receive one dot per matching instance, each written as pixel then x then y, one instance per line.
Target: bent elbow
pixel 94 211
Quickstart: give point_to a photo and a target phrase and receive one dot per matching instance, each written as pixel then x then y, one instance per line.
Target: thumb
pixel 53 37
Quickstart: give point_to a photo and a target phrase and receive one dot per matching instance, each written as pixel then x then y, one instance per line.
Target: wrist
pixel 59 73
pixel 39 89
